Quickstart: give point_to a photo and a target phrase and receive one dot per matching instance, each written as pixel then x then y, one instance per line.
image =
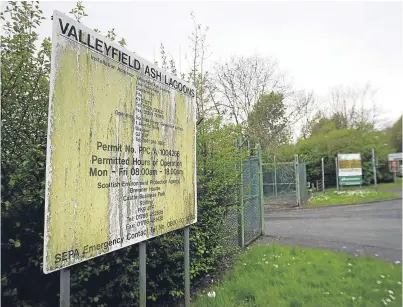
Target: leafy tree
pixel 395 135
pixel 328 144
pixel 25 90
pixel 25 81
pixel 267 121
pixel 110 280
pixel 197 75
pixel 78 11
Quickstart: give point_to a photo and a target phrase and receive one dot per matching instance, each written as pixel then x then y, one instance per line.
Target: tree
pixel 346 107
pixel 241 81
pixel 267 121
pixel 355 106
pixel 395 135
pixel 328 143
pixel 25 88
pixel 25 80
pixel 25 93
pixel 78 11
pixel 322 124
pixel 198 55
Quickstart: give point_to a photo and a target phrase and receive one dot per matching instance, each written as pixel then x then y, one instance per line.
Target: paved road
pixel 358 229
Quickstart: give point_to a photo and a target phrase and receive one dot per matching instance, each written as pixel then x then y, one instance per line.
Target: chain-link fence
pixel 251 199
pixel 329 173
pixel 262 186
pixel 243 220
pixel 284 185
pixel 230 230
pixel 303 186
pixel 279 185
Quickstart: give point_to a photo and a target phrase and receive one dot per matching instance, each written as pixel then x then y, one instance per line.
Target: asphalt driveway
pixel 367 229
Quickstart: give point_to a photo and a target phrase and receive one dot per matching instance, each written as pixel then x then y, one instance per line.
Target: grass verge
pixel 348 197
pixel 394 185
pixel 279 276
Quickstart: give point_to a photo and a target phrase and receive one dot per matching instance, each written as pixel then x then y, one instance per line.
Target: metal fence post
pixel 275 177
pixel 241 213
pixel 297 187
pixel 259 150
pixel 323 175
pixel 374 167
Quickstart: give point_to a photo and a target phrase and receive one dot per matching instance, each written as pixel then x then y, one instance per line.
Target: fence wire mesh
pixel 279 185
pixel 251 195
pixel 242 220
pixel 284 185
pixel 230 230
pixel 303 187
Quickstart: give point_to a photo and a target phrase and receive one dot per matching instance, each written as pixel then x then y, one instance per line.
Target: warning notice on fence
pixel 121 164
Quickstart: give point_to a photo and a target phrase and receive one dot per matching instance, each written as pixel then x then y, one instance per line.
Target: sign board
pixel 121 158
pixel 350 170
pixel 395 162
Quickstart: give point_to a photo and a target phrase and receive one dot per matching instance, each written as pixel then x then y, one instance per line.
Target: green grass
pixel 278 276
pixel 382 186
pixel 394 185
pixel 350 196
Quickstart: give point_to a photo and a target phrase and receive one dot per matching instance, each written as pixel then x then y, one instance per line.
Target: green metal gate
pixel 252 207
pixel 284 184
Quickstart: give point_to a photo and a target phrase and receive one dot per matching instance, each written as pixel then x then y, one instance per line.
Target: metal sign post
pixel 142 269
pixel 337 173
pixel 186 231
pixel 65 288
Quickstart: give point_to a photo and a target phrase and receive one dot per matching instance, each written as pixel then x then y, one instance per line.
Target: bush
pixel 112 279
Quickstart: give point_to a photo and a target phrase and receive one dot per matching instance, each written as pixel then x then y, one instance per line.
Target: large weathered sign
pixel 350 171
pixel 121 164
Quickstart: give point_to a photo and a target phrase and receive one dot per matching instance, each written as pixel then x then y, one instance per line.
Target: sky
pixel 319 45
